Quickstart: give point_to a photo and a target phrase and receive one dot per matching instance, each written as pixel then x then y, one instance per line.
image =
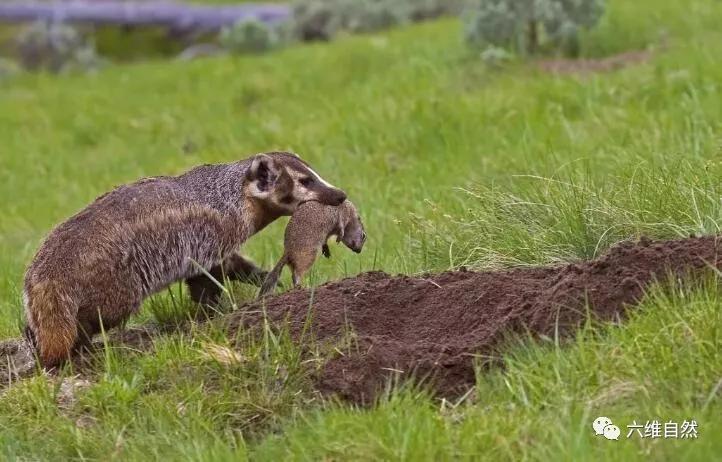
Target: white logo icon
pixel 604 426
pixel 599 424
pixel 611 432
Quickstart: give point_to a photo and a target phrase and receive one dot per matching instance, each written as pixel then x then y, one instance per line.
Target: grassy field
pixel 450 163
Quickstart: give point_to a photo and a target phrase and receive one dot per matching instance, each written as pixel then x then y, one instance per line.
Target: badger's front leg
pixel 238 268
pixel 205 291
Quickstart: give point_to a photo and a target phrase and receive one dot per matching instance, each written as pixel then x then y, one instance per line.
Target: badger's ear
pixel 264 172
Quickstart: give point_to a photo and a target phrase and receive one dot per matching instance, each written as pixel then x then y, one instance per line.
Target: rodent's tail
pixel 272 279
pixel 52 327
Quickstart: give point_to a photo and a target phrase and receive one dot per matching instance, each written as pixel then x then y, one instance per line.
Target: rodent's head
pixel 283 181
pixel 351 229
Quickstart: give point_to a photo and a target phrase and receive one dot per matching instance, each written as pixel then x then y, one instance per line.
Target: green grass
pixel 450 163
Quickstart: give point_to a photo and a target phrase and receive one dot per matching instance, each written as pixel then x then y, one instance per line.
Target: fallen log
pixel 175 16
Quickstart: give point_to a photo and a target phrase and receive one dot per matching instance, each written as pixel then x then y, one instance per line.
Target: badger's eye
pixel 306 181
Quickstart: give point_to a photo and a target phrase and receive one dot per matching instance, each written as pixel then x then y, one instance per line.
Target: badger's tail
pixel 52 327
pixel 272 279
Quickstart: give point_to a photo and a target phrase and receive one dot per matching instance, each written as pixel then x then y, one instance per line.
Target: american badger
pixel 96 268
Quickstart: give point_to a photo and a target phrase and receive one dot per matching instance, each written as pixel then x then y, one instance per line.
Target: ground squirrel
pixel 306 234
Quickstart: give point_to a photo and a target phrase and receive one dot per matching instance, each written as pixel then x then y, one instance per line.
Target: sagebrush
pixel 527 26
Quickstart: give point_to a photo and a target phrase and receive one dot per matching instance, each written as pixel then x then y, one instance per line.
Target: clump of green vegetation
pixel 315 19
pixel 321 19
pixel 249 36
pixel 569 216
pixel 494 57
pixel 527 26
pixel 55 47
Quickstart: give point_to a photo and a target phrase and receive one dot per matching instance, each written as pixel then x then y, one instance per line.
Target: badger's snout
pixel 337 197
pixel 329 196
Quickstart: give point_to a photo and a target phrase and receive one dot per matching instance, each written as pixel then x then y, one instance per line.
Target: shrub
pixel 495 56
pixel 528 25
pixel 55 47
pixel 321 19
pixel 249 36
pixel 420 10
pixel 315 19
pixel 371 15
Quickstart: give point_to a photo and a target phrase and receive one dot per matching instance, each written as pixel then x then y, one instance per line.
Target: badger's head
pixel 282 181
pixel 350 228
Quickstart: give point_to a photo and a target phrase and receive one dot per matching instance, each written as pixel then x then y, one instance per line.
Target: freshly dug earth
pixel 432 327
pixel 591 66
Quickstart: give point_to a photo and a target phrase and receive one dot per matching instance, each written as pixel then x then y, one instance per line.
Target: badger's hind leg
pixel 93 321
pixel 84 342
pixel 87 329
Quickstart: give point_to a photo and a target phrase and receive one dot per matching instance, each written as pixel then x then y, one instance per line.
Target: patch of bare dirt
pixel 591 66
pixel 434 326
pixel 16 361
pixel 17 358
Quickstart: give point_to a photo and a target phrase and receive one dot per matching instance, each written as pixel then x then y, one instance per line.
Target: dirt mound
pixel 433 326
pixel 590 66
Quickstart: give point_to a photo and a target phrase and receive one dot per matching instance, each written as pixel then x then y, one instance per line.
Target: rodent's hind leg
pixel 296 277
pixel 300 263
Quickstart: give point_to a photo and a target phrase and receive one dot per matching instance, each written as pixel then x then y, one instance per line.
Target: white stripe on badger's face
pixel 321 180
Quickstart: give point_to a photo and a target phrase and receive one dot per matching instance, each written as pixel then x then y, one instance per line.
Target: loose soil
pixel 590 66
pixel 433 327
pixel 17 358
pixel 436 326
